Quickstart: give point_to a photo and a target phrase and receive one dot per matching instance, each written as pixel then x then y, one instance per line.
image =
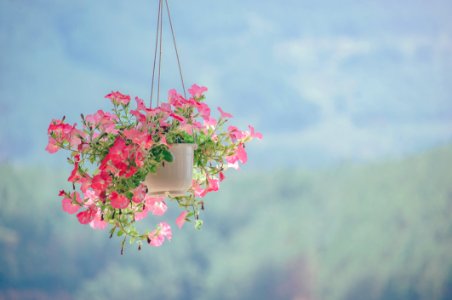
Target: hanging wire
pixel 175 48
pixel 158 48
pixel 160 54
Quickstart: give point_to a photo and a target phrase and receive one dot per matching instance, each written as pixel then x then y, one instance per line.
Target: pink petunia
pixel 198 190
pixel 240 155
pixel 203 109
pixel 91 198
pixel 60 133
pixel 97 222
pixel 213 184
pixel 174 98
pixel 224 114
pixel 210 122
pixel 118 98
pixel 222 177
pixel 156 205
pixel 100 182
pixel 75 175
pixel 181 219
pixel 118 200
pixel 157 237
pixel 51 146
pixel 69 207
pixel 85 183
pixel 177 117
pixel 140 104
pixel 235 133
pixel 85 217
pixel 197 91
pixel 139 193
pixel 254 134
pixel 104 121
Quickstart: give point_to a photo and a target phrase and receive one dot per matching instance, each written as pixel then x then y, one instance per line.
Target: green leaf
pixel 120 233
pixel 167 156
pixel 198 224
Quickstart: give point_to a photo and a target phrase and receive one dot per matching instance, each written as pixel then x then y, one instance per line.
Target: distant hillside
pixel 381 231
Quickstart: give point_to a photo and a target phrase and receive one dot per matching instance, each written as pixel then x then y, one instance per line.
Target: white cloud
pixel 315 69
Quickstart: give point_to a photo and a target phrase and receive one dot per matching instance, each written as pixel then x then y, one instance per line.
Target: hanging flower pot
pixel 128 161
pixel 174 177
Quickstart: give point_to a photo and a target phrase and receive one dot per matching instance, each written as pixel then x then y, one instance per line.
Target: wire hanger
pixel 158 51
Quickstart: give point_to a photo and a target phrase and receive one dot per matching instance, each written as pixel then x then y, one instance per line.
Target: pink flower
pixel 188 128
pixel 165 107
pixel 91 198
pixel 224 115
pixel 100 182
pixel 235 133
pixel 139 159
pixel 106 122
pixel 240 155
pixel 118 151
pixel 174 98
pixel 203 109
pixel 97 222
pixel 60 133
pixel 221 176
pixel 213 184
pixel 210 122
pixel 69 207
pixel 158 236
pixel 177 117
pixel 87 216
pixel 139 193
pixel 118 200
pixel 198 190
pixel 197 91
pixel 140 104
pixel 254 134
pixel 181 219
pixel 156 205
pixel 75 175
pixel 118 98
pixel 51 146
pixel 163 141
pixel 85 183
pixel 142 214
pixel 135 135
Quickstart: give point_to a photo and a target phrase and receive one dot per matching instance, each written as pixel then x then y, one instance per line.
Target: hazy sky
pixel 325 81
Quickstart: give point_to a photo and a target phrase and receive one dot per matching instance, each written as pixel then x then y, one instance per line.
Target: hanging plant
pixel 127 162
pixel 123 162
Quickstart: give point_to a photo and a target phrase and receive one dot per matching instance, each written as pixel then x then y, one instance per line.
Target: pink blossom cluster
pixel 112 152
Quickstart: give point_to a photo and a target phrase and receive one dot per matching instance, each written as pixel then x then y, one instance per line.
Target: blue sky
pixel 325 81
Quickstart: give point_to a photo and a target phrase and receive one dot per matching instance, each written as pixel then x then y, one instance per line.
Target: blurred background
pixel 349 195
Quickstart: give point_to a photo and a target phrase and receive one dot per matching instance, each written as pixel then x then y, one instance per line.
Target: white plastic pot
pixel 173 178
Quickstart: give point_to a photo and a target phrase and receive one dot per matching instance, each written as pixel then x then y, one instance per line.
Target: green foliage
pixel 356 232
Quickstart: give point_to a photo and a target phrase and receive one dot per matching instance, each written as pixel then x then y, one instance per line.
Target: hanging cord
pixel 160 55
pixel 175 48
pixel 158 47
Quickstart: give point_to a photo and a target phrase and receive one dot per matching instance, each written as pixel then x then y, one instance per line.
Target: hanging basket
pixel 128 160
pixel 173 178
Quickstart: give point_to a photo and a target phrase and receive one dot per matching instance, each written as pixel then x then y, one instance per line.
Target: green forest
pixel 378 231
